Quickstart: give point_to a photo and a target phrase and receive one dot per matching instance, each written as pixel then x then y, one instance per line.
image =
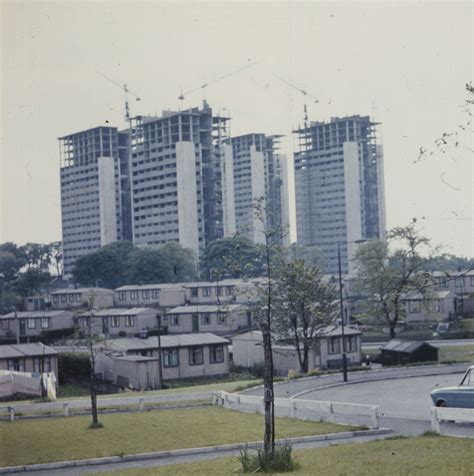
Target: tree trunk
pixel 304 361
pixel 268 397
pixel 93 388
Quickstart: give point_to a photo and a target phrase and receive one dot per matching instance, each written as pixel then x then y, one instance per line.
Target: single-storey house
pixel 28 324
pixel 247 350
pixel 34 357
pixel 119 321
pixel 156 295
pixel 437 307
pixel 399 352
pixel 134 362
pixel 218 319
pixel 73 298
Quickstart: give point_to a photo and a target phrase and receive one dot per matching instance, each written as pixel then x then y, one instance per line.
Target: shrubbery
pixel 73 367
pixel 281 460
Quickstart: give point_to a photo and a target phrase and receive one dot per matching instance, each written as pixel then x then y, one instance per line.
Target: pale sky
pixel 404 63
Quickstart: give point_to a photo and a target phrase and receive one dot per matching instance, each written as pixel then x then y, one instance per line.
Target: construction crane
pixel 302 91
pixel 182 96
pixel 126 91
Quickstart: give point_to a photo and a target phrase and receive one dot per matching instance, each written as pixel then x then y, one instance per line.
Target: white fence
pixel 438 414
pixel 301 409
pixel 58 408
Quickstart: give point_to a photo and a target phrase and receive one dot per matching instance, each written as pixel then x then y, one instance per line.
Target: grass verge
pixel 27 442
pixel 424 455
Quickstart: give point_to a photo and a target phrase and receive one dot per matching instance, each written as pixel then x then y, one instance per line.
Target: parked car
pixel 460 396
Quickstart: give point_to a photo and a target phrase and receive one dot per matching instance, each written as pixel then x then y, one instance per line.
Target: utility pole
pixel 341 303
pixel 158 333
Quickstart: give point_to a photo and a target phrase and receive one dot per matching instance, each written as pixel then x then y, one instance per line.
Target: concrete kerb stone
pixel 187 451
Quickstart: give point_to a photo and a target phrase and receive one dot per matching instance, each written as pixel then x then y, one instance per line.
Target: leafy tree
pixel 303 304
pixel 12 259
pixel 57 256
pixel 383 276
pixel 106 267
pixel 232 257
pixel 169 263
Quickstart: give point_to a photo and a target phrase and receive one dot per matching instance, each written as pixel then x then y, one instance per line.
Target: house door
pixel 195 323
pixel 105 325
pixel 22 327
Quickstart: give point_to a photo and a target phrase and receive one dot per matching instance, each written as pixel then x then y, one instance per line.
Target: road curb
pixel 187 451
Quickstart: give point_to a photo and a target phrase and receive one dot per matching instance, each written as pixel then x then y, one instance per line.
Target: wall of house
pixel 27 363
pixel 12 326
pixel 334 360
pixel 72 299
pixel 157 297
pixel 142 375
pixel 435 310
pixel 233 322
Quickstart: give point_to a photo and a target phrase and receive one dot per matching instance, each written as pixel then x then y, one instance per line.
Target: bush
pixel 50 337
pixel 281 460
pixel 73 367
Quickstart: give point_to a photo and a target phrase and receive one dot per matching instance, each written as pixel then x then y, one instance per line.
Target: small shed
pixel 401 352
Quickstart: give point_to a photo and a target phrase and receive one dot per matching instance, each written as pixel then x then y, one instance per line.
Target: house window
pixel 122 296
pixel 31 323
pixel 63 298
pixel 221 319
pixel 195 355
pixel 5 324
pixel 439 305
pixel 206 291
pixel 115 321
pixel 155 294
pixel 129 321
pixel 134 295
pixel 71 297
pixel 472 280
pixel 174 320
pixel 206 319
pixel 17 365
pixel 334 345
pixel 216 353
pixel 55 299
pixel 171 358
pixel 145 294
pixel 351 343
pixel 42 364
pixel 229 290
pixel 78 298
pixel 45 323
pixel 415 307
pixel 194 292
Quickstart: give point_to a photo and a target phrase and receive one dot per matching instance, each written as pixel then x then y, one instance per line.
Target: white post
pixel 434 420
pixel 330 413
pixel 375 417
pixel 12 413
pixel 141 404
pixel 262 406
pixel 66 409
pixel 292 408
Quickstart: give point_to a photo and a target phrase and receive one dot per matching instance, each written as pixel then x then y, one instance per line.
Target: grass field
pixel 426 455
pixel 40 441
pixel 456 353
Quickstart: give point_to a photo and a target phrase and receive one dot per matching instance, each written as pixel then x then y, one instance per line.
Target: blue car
pixel 461 396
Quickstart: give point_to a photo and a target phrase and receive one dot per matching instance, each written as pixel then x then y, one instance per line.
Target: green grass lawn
pixel 41 441
pixel 456 353
pixel 425 455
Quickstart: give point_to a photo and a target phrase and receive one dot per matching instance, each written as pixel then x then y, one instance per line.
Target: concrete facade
pixel 339 187
pixel 95 203
pixel 259 172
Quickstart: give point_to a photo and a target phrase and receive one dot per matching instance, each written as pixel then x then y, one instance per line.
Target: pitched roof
pixel 145 287
pixel 405 346
pixel 82 290
pixel 168 341
pixel 25 350
pixel 30 314
pixel 114 311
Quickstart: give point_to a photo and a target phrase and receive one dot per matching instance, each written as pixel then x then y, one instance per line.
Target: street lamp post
pixel 158 333
pixel 341 303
